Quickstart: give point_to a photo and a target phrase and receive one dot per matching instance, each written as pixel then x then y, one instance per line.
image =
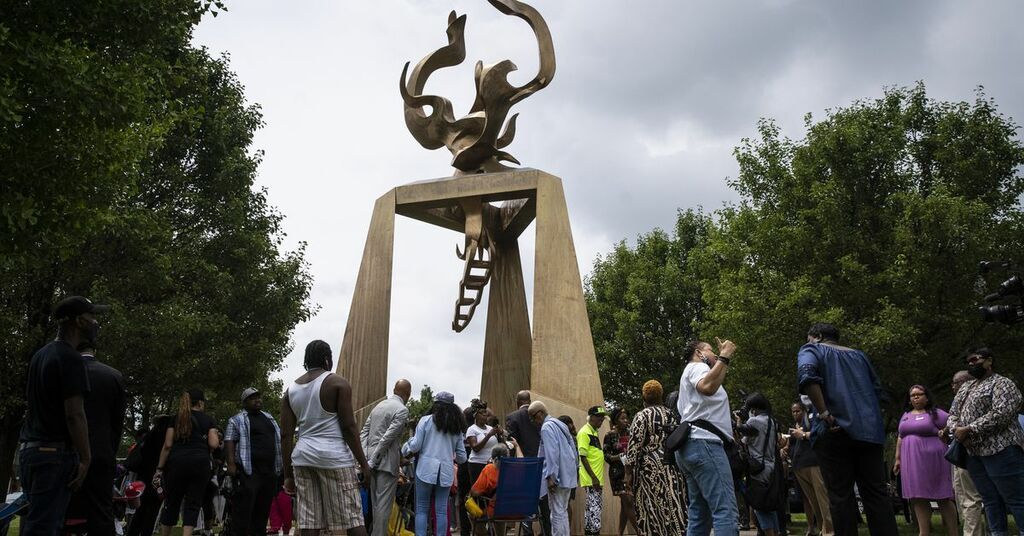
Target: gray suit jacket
pixel 382 434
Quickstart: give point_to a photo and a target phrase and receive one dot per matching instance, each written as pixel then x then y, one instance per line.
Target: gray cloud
pixel 641 118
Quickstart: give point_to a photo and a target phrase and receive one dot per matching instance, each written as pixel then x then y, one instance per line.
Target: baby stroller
pixel 126 495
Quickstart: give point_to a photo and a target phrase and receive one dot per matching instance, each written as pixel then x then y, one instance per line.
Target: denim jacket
pixel 438 452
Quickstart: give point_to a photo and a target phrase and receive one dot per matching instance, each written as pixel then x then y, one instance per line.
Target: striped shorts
pixel 328 498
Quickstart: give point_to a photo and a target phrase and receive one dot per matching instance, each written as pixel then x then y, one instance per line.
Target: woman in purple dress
pixel 927 476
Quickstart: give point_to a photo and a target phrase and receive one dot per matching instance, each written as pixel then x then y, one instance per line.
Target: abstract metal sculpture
pixel 539 348
pixel 474 140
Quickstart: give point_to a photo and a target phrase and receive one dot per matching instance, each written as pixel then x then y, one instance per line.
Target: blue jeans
pixel 1000 482
pixel 767 519
pixel 710 489
pixel 45 473
pixel 424 493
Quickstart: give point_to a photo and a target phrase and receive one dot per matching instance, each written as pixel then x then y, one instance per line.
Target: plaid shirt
pixel 238 431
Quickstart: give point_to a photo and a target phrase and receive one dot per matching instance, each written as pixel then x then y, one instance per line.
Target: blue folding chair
pixel 518 492
pixel 15 505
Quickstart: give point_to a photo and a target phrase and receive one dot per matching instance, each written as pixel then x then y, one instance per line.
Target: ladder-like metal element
pixel 475 276
pixel 476 272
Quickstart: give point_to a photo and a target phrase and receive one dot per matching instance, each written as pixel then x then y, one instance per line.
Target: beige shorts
pixel 327 498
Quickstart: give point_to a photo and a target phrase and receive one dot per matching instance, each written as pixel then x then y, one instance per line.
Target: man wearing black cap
pixel 55 454
pixel 104 410
pixel 252 441
pixel 588 442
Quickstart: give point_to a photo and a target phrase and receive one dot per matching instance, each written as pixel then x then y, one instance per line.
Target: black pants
pixel 185 482
pixel 463 478
pixel 94 500
pixel 844 462
pixel 250 505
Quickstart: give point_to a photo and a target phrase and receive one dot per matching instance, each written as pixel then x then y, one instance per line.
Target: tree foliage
pixel 875 221
pixel 128 177
pixel 642 306
pixel 420 407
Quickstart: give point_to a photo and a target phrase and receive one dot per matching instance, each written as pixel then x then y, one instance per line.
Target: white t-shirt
pixel 693 405
pixel 484 455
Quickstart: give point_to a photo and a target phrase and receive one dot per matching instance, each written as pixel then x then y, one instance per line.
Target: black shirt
pixel 104 409
pixel 56 373
pixel 262 441
pixel 519 426
pixel 195 446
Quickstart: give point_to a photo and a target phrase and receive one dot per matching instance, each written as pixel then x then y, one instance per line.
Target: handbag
pixel 675 441
pixel 956 454
pixel 767 495
pixel 473 509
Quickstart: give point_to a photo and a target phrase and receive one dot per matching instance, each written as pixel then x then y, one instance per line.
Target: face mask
pixel 977 370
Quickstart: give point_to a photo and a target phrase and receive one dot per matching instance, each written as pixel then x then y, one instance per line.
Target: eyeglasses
pixel 533 414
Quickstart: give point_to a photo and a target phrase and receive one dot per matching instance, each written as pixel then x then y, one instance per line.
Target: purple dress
pixel 925 472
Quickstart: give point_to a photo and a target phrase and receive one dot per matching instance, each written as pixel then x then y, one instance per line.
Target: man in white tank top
pixel 321 468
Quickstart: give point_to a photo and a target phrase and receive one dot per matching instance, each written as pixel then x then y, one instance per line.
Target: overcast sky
pixel 647 103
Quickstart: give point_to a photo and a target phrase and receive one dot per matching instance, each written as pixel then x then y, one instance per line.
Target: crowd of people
pixel 685 463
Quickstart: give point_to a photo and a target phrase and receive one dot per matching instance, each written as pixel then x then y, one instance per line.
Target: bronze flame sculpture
pixel 474 140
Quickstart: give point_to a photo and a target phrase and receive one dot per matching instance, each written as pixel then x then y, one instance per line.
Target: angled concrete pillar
pixel 363 359
pixel 553 358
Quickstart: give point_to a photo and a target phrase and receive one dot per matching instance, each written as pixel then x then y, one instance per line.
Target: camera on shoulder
pixel 1011 289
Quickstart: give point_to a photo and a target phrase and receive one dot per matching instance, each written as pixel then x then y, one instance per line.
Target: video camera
pixel 1013 288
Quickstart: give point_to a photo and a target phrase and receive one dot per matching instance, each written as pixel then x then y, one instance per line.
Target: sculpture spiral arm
pixel 475 140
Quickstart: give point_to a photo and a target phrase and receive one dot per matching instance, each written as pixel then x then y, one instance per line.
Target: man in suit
pixel 520 426
pixel 382 440
pixel 104 411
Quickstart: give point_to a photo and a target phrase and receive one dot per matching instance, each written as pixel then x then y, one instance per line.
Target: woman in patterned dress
pixel 657 488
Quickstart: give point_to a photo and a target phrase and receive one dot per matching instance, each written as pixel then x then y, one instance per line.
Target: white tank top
pixel 320 441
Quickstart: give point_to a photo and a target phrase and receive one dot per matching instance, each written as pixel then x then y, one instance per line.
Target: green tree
pixel 875 222
pixel 420 407
pixel 643 304
pixel 128 177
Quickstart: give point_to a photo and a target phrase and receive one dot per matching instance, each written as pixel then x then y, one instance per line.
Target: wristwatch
pixel 724 359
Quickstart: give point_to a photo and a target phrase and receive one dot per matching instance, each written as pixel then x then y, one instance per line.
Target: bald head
pixel 538 407
pixel 960 378
pixel 522 398
pixel 403 389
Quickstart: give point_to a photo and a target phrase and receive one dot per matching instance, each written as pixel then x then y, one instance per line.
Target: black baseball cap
pixel 597 410
pixel 73 306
